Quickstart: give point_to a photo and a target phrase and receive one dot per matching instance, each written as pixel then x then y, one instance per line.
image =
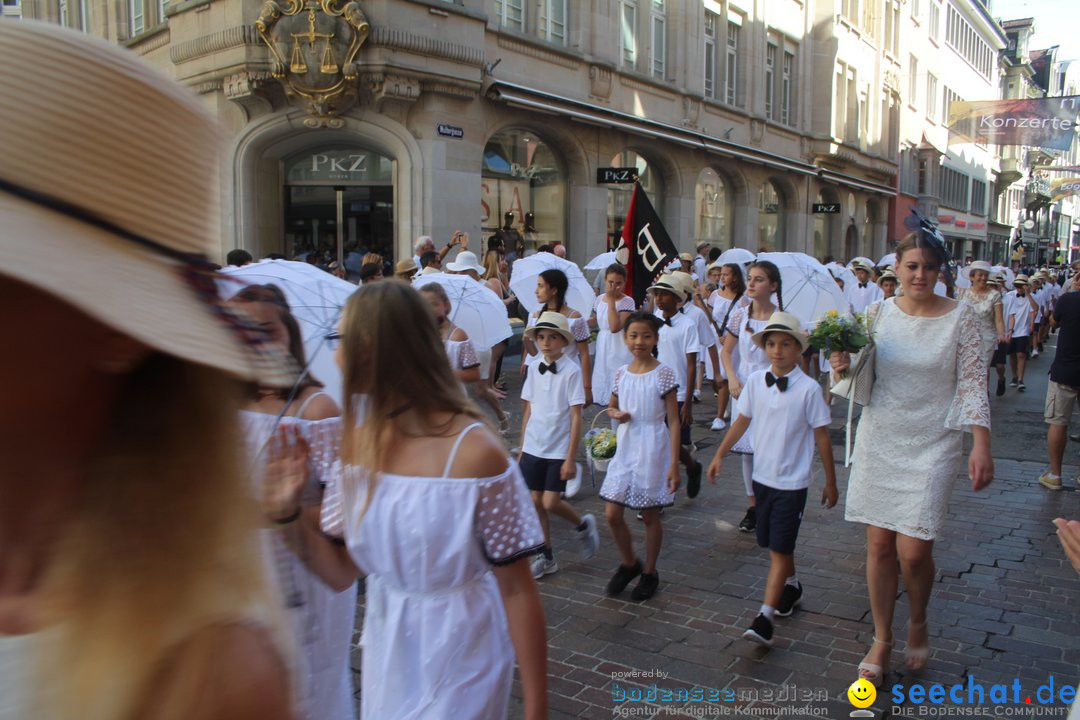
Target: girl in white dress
pixel 929 389
pixel 644 474
pixel 433 512
pixel 763 279
pixel 986 301
pixel 551 287
pixel 322 620
pixel 612 308
pixel 727 298
pixel 459 349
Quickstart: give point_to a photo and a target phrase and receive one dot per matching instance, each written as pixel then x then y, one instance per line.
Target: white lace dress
pixel 611 350
pixel 930 387
pixel 436 643
pixel 984 313
pixel 321 620
pixel 637 475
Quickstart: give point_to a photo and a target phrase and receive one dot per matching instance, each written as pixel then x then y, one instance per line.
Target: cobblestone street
pixel 1004 607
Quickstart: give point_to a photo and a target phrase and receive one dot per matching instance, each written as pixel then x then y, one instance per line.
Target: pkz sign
pixel 616 175
pixel 826 208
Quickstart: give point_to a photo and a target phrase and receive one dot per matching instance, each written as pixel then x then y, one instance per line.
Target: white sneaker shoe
pixel 541 566
pixel 589 537
pixel 718 424
pixel 697 396
pixel 573 485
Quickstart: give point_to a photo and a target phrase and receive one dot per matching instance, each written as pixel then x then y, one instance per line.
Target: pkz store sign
pixel 337 165
pixel 826 208
pixel 616 175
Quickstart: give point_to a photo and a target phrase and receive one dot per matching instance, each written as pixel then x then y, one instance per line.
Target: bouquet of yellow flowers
pixel 600 446
pixel 839 333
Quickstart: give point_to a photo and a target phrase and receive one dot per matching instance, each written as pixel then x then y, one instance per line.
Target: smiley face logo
pixel 862 693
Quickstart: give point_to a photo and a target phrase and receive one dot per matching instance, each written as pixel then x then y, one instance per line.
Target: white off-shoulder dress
pixel 930 387
pixel 435 643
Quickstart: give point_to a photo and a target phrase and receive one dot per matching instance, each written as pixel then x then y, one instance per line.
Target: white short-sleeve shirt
pixel 550 396
pixel 676 342
pixel 783 428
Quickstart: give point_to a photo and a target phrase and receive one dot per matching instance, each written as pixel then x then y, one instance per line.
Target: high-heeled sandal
pixel 871 672
pixel 915 658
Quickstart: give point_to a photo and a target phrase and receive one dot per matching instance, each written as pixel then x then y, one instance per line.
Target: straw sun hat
pixel 108 196
pixel 781 321
pixel 551 321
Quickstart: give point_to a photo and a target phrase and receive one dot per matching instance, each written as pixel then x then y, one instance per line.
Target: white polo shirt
pixel 783 428
pixel 706 336
pixel 550 397
pixel 676 342
pixel 1019 308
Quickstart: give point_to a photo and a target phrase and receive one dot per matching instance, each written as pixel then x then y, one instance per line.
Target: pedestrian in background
pixel 1064 383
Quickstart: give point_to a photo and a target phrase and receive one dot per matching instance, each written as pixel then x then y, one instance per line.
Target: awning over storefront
pixel 537 100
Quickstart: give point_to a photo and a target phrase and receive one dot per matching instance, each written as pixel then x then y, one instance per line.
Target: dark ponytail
pixel 773 273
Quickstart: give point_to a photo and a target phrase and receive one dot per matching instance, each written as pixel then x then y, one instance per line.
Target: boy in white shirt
pixel 1018 326
pixel 865 292
pixel 678 348
pixel 552 396
pixel 790 417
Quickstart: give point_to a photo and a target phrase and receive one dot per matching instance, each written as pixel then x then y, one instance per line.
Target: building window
pixel 850 10
pixel 511 14
pixel 770 86
pixel 711 21
pixel 948 98
pixel 731 67
pixel 163 5
pixel 658 47
pixel 628 32
pixel 954 189
pixel 84 19
pixel 839 104
pixel 931 96
pixel 892 27
pixel 553 21
pixel 961 37
pixel 64 19
pixel 978 197
pixel 713 222
pixel 786 116
pixel 522 174
pixel 852 99
pixel 770 217
pixel 935 20
pixel 913 80
pixel 138 16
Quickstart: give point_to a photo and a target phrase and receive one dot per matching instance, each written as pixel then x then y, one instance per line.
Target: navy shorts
pixel 684 430
pixel 1020 344
pixel 542 474
pixel 779 514
pixel 1000 354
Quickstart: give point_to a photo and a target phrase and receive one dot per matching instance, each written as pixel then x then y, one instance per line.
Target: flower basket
pixel 600 444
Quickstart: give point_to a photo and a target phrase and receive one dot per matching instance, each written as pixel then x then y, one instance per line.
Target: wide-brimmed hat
pixel 702 244
pixel 109 197
pixel 781 321
pixel 405 268
pixel 685 281
pixel 888 274
pixel 996 278
pixel 465 260
pixel 669 283
pixel 862 265
pixel 686 257
pixel 551 321
pixel 1021 280
pixel 980 265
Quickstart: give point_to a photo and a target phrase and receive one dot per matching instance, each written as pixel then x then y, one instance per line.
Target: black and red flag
pixel 645 248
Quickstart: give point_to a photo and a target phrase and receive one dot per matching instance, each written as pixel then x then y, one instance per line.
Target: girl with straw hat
pixel 130 569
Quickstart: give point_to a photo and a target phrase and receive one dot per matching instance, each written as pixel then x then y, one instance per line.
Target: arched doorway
pixel 523 185
pixel 338 199
pixel 851 243
pixel 619 195
pixel 826 226
pixel 712 200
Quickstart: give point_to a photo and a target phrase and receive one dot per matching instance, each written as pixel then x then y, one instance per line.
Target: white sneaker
pixel 541 566
pixel 718 424
pixel 697 396
pixel 589 537
pixel 1034 354
pixel 573 485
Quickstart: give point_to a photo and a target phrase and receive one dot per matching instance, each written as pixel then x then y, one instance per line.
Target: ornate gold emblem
pixel 314 44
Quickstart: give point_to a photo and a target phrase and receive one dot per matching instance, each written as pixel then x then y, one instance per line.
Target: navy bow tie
pixel 862 285
pixel 666 321
pixel 545 368
pixel 779 382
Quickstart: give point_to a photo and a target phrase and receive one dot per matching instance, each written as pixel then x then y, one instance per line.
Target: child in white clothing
pixel 790 417
pixel 552 396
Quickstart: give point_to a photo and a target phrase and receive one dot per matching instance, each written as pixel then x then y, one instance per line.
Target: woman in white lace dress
pixel 986 301
pixel 929 389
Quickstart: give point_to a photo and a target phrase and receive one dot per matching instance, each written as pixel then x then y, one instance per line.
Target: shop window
pixel 713 218
pixel 522 183
pixel 619 195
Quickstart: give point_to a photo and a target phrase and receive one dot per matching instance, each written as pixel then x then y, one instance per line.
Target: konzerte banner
pixel 1038 122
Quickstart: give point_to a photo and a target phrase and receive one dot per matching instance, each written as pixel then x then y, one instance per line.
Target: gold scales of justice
pixel 330 88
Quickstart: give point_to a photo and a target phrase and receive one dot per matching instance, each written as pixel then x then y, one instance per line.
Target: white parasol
pixel 737 256
pixel 579 294
pixel 474 307
pixel 807 289
pixel 601 261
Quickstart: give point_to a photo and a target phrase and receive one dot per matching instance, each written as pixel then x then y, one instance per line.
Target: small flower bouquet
pixel 600 446
pixel 837 333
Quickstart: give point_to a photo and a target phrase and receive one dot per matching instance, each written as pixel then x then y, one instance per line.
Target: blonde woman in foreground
pixel 131 584
pixel 433 512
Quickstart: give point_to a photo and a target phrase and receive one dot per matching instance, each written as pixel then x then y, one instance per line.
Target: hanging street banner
pixel 1063 188
pixel 1061 168
pixel 1038 122
pixel 645 248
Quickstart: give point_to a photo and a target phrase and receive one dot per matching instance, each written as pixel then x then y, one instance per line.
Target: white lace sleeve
pixel 506 521
pixel 667 381
pixel 736 320
pixel 467 356
pixel 324 449
pixel 579 328
pixel 969 405
pixel 332 511
pixel 615 382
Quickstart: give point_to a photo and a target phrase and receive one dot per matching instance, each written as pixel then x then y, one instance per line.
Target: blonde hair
pixel 164 544
pixel 394 358
pixel 491 266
